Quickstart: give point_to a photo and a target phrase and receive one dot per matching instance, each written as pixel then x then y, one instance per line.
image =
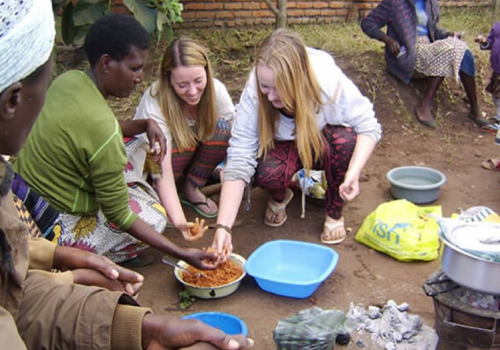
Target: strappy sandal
pixel 330 226
pixel 277 208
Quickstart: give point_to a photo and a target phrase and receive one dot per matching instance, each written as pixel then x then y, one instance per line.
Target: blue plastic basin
pixel 291 268
pixel 227 323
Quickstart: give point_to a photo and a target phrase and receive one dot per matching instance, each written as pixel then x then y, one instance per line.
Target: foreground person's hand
pixel 170 333
pixel 222 244
pixel 155 136
pixel 67 258
pixel 201 259
pixel 94 278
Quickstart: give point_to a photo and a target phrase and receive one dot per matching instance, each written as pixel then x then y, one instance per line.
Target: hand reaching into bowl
pixel 201 259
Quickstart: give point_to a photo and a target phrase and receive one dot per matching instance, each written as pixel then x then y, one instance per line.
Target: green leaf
pixel 143 13
pixel 88 13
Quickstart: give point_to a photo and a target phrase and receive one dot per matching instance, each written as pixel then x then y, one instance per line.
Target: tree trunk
pixel 281 18
pixel 278 11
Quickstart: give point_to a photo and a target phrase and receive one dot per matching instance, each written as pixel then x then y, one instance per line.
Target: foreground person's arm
pixel 131 128
pixel 195 257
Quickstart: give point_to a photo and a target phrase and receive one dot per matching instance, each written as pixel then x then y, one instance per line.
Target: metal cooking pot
pixel 469 270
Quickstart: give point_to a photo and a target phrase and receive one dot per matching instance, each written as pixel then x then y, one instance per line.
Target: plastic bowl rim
pixel 234 256
pixel 328 271
pixel 244 328
pixel 397 183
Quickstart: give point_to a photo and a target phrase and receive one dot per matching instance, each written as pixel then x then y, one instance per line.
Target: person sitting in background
pixel 75 156
pixel 415 48
pixel 194 110
pixel 40 310
pixel 298 110
pixel 492 43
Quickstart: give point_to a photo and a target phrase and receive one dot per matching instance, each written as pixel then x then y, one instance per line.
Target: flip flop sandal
pixel 195 205
pixel 332 226
pixel 481 121
pixel 491 164
pixel 277 207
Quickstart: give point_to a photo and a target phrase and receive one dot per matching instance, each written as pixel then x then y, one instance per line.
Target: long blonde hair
pixel 186 52
pixel 284 52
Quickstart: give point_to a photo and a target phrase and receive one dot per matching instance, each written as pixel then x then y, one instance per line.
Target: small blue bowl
pixel 227 323
pixel 291 268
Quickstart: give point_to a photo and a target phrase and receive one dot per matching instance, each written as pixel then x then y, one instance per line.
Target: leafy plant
pixel 78 16
pixel 186 300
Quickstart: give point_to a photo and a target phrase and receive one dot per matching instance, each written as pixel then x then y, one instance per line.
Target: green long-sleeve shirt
pixel 75 156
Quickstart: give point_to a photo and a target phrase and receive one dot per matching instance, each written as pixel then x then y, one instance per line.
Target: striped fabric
pixel 197 164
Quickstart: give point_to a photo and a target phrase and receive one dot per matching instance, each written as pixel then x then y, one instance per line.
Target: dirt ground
pixel 365 276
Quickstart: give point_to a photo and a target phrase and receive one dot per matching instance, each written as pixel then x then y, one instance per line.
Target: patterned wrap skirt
pixel 442 58
pixel 97 234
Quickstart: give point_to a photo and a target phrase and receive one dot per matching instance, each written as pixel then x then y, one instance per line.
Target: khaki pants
pixel 66 316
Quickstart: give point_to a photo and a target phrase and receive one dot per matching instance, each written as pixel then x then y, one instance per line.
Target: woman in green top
pixel 75 156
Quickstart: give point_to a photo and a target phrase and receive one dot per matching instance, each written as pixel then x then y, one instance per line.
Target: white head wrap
pixel 27 32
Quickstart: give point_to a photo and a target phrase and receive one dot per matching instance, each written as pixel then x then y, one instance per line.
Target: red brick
pixel 328 12
pixel 296 13
pixel 251 6
pixel 205 14
pixel 194 6
pixel 268 20
pixel 231 23
pixel 233 6
pixel 242 14
pixel 312 12
pixel 219 23
pixel 224 14
pixel 342 12
pixel 188 15
pixel 304 5
pixel 262 14
pixel 291 4
pixel 215 6
pixel 320 5
pixel 336 5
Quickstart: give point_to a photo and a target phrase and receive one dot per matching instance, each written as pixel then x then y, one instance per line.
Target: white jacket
pixel 348 108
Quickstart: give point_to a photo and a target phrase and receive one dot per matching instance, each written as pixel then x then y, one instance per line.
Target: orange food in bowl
pixel 225 273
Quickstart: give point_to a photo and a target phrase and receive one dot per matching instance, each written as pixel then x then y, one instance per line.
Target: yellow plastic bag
pixel 402 230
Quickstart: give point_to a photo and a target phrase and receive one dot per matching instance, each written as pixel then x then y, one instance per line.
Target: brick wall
pixel 244 13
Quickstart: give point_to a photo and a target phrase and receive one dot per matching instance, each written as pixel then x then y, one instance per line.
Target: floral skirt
pixel 97 234
pixel 442 58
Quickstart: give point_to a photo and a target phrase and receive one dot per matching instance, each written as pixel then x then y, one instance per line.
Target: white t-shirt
pixel 149 108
